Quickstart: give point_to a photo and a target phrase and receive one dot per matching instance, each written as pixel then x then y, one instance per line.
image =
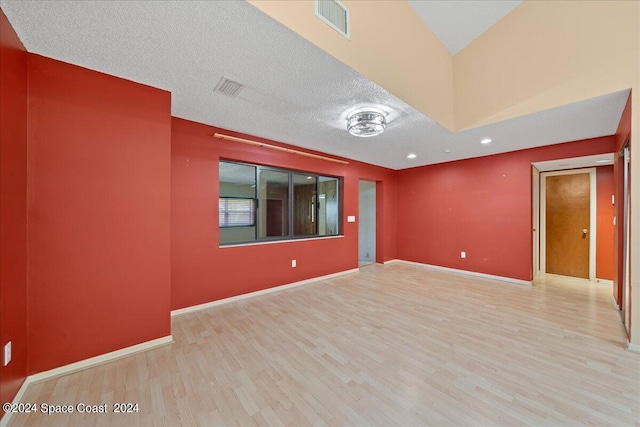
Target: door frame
pixel 592 217
pixel 535 214
pixel 376 194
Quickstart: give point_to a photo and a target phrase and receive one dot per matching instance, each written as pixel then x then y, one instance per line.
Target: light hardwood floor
pixel 391 345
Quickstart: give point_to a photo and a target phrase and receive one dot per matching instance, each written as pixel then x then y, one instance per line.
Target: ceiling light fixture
pixel 604 161
pixel 446 151
pixel 366 123
pixel 411 156
pixel 485 141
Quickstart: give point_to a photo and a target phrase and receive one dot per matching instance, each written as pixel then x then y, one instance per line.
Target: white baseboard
pixel 604 281
pixel 633 347
pixel 7 416
pixel 463 272
pixel 614 303
pixel 97 360
pixel 216 303
pixel 84 364
pixel 392 261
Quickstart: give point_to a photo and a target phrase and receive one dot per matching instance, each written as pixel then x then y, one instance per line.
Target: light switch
pixel 7 353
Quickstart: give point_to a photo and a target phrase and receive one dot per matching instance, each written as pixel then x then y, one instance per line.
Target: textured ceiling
pixel 458 23
pixel 295 93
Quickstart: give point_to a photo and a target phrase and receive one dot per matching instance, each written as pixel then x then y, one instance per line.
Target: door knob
pixel 585 231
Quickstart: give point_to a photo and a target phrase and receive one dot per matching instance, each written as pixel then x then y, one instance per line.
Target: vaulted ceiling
pixel 294 91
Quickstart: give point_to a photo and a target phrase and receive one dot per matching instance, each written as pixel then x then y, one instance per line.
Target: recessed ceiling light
pixel 366 123
pixel 308 177
pixel 485 141
pixel 604 161
pixel 411 156
pixel 446 151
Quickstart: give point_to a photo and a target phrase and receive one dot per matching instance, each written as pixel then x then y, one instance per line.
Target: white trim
pixel 614 303
pixel 633 347
pixel 604 281
pixel 466 272
pixel 592 217
pixel 82 365
pixel 23 389
pixel 98 360
pixel 206 305
pixel 273 242
pixel 535 216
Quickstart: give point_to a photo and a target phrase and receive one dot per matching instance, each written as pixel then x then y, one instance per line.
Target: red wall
pixel 604 223
pixel 202 271
pixel 481 206
pixel 623 133
pixel 98 212
pixel 13 209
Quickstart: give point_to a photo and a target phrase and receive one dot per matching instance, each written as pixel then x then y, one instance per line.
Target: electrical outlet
pixel 7 353
pixel 294 263
pixel 463 254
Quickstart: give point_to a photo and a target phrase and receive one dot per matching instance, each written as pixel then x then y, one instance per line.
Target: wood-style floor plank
pixel 391 345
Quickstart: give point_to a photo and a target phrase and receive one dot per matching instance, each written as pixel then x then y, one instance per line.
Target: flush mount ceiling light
pixel 366 123
pixel 485 141
pixel 411 156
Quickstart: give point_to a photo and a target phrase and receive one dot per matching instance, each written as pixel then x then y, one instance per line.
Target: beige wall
pixel 389 45
pixel 544 55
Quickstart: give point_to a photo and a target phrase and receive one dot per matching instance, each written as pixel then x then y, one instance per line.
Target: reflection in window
pixel 262 203
pixel 237 207
pixel 305 205
pixel 274 203
pixel 328 206
pixel 236 212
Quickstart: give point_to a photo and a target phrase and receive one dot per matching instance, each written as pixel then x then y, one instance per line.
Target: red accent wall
pixel 481 206
pixel 13 209
pixel 98 211
pixel 623 133
pixel 604 223
pixel 202 271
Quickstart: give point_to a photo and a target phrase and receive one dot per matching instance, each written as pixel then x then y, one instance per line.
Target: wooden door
pixel 567 218
pixel 274 217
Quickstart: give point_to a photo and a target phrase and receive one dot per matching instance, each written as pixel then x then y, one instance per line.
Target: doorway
pixel 567 223
pixel 367 223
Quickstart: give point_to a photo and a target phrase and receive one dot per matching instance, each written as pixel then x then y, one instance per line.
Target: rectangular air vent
pixel 335 14
pixel 229 87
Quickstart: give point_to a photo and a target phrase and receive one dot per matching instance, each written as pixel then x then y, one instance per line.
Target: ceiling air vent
pixel 335 14
pixel 229 87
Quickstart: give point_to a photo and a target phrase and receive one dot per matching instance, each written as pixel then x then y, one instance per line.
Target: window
pixel 236 212
pixel 273 196
pixel 261 203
